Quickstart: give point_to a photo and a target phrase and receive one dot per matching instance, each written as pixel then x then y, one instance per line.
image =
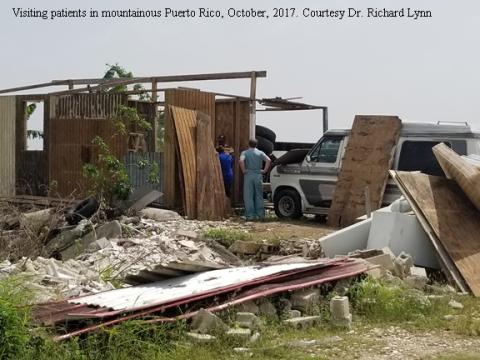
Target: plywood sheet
pixel 211 198
pixel 191 100
pixel 7 145
pixel 185 123
pixel 367 159
pixel 453 218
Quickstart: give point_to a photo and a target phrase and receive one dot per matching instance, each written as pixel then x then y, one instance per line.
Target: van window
pixel 418 156
pixel 327 150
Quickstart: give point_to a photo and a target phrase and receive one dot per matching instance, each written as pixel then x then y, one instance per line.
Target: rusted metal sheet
pixel 139 176
pixel 75 120
pixel 7 145
pixel 191 100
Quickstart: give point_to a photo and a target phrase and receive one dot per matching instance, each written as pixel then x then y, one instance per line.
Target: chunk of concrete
pixel 247 320
pixel 245 247
pixel 305 300
pixel 303 322
pixel 34 220
pixel 239 334
pixel 346 240
pixel 455 305
pixel 160 214
pixel 291 314
pixel 416 282
pixel 204 322
pixel 140 198
pixel 340 311
pixel 384 260
pixel 200 338
pixel 342 286
pixel 402 265
pixel 249 307
pixel 267 309
pixel 62 241
pixel 188 234
pixel 99 244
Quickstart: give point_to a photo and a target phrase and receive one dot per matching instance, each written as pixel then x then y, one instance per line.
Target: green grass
pixel 226 236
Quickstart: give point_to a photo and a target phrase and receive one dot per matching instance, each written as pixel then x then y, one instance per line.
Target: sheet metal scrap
pixel 232 286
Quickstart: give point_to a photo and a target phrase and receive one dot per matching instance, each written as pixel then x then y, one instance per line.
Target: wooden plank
pixel 465 174
pixel 185 128
pixel 367 159
pixel 453 218
pixel 211 198
pixel 448 266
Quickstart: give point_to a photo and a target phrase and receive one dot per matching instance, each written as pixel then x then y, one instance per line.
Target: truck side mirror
pixel 308 158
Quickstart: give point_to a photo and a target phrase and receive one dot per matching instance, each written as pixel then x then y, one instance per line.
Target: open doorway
pixel 34 116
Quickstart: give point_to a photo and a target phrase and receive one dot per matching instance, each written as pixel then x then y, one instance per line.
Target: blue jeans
pixel 253 195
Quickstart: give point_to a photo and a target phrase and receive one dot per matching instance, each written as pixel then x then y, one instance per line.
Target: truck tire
pixel 292 157
pixel 287 204
pixel 265 145
pixel 83 210
pixel 265 133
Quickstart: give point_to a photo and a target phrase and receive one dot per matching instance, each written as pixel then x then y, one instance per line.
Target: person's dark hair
pixel 221 140
pixel 252 143
pixel 221 149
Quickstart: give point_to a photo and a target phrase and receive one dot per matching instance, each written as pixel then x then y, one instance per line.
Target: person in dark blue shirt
pixel 226 162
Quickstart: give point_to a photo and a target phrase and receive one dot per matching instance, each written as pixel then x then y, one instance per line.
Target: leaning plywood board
pixel 185 128
pixel 368 157
pixel 211 199
pixel 453 218
pixel 465 174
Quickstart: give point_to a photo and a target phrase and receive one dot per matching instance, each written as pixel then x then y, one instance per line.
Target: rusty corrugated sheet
pixel 7 145
pixel 139 177
pixel 191 100
pixel 75 120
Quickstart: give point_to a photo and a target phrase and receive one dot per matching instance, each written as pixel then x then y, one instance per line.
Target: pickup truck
pixel 307 187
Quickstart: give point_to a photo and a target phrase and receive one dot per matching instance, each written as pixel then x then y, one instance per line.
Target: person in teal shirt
pixel 251 164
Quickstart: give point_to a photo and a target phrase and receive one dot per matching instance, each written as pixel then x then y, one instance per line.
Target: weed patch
pixel 226 236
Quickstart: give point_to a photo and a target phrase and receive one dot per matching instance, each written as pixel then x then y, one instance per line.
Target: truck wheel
pixel 287 204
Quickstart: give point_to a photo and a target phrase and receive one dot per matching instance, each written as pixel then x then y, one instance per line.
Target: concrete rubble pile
pixel 114 253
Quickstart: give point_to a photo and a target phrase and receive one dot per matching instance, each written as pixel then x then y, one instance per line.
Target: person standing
pixel 251 162
pixel 226 163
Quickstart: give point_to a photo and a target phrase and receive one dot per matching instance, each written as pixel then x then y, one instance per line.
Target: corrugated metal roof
pixel 185 286
pixel 7 145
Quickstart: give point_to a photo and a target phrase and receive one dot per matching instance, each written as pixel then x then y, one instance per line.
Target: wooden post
pixel 155 122
pixel 253 95
pixel 70 85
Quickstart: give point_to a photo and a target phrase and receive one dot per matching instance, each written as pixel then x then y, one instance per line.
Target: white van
pixel 308 187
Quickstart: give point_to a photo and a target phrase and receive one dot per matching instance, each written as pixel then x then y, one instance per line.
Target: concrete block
pixel 416 282
pixel 245 247
pixel 346 240
pixel 402 265
pixel 239 334
pixel 204 322
pixel 200 338
pixel 247 320
pixel 455 305
pixel 255 337
pixel 383 260
pixel 418 271
pixel 342 286
pixel 291 314
pixel 303 322
pixel 340 311
pixel 305 300
pixel 99 244
pixel 249 307
pixel 160 214
pixel 267 309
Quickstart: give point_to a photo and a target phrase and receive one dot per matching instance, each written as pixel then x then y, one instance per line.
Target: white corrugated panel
pixel 7 145
pixel 180 287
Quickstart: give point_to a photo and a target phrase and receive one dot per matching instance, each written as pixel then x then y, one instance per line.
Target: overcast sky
pixel 420 70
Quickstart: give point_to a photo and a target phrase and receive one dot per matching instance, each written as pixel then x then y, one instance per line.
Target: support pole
pixel 253 96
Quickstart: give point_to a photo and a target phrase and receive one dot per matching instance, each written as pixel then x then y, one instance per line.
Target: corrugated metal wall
pixel 7 145
pixel 75 120
pixel 139 176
